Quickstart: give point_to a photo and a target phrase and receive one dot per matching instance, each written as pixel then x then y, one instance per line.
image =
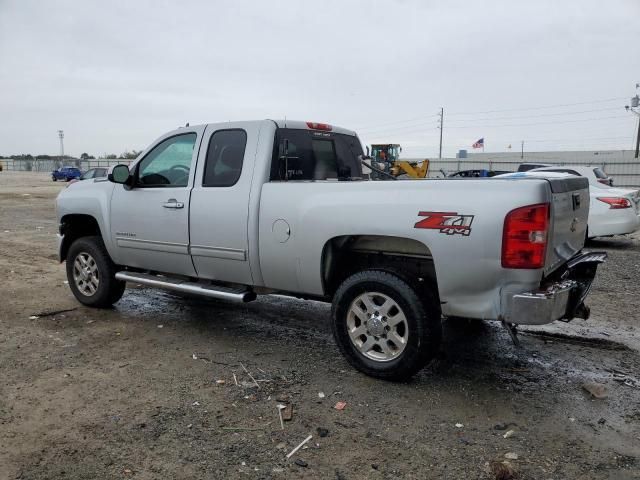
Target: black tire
pixel 54 179
pixel 423 320
pixel 109 290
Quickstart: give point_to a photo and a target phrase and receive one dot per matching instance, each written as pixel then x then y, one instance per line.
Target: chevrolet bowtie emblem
pixel 574 224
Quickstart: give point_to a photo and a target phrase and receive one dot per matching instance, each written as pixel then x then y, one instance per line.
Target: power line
pixel 376 127
pixel 423 122
pixel 419 128
pixel 561 140
pixel 578 139
pixel 521 109
pixel 541 115
pixel 540 123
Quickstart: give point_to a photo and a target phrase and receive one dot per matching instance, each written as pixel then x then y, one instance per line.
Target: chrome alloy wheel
pixel 377 326
pixel 85 274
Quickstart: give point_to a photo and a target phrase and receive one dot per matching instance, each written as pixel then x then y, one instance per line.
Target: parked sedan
pixel 66 174
pixel 612 211
pixel 596 176
pixel 99 172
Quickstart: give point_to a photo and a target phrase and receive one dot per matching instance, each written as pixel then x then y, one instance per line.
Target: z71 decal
pixel 450 223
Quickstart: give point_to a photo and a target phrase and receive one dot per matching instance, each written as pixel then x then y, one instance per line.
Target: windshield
pixel 385 153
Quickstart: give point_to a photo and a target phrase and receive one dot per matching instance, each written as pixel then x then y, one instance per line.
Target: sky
pixel 116 75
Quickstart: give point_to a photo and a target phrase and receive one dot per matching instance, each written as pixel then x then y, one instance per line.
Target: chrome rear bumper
pixel 562 295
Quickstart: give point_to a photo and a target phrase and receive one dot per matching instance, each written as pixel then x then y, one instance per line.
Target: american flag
pixel 479 143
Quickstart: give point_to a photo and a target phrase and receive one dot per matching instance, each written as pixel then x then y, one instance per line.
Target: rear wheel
pixel 383 327
pixel 91 273
pixel 54 179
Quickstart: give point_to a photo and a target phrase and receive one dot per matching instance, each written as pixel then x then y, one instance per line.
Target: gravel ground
pixel 147 390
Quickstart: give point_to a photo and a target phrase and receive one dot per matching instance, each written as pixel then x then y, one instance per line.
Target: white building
pixel 620 164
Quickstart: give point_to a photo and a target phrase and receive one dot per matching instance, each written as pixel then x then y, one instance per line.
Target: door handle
pixel 173 203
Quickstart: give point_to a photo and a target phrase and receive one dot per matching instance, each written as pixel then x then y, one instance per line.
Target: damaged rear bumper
pixel 561 296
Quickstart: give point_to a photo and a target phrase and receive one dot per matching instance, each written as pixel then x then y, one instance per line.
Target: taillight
pixel 524 237
pixel 319 126
pixel 616 202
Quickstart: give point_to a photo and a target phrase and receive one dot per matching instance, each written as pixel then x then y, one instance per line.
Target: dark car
pixel 525 167
pixel 479 173
pixel 66 174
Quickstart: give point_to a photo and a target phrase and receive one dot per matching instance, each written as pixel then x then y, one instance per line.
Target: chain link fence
pixel 48 165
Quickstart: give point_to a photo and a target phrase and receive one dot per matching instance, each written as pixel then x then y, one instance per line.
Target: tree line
pixel 127 155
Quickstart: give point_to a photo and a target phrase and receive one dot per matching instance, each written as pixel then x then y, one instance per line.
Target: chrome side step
pixel 178 285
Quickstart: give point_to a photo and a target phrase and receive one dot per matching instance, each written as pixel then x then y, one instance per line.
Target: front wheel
pixel 91 273
pixel 54 179
pixel 383 326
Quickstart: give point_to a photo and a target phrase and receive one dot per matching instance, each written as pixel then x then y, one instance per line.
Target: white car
pixel 595 175
pixel 612 211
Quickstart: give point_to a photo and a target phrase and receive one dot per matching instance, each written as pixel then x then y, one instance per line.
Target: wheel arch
pixel 74 226
pixel 406 257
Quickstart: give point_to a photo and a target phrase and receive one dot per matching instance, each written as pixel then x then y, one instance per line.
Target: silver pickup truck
pixel 233 210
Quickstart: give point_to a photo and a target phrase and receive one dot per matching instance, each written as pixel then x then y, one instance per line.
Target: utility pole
pixel 522 149
pixel 61 137
pixel 441 127
pixel 635 103
pixel 638 139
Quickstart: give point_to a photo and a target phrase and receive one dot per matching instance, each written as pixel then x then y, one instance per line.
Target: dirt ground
pixel 147 391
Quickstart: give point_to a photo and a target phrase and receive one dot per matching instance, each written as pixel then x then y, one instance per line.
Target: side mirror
pixel 119 174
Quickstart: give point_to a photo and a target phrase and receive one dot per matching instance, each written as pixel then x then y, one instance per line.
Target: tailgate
pixel 569 215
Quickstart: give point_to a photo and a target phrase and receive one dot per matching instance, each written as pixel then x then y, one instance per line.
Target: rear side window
pixel 225 155
pixel 314 155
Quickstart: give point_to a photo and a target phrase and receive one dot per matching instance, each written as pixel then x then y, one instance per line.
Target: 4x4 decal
pixel 450 223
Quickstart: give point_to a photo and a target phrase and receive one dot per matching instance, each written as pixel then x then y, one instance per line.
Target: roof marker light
pixel 319 126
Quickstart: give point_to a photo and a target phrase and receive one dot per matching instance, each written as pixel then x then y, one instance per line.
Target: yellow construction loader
pixel 387 158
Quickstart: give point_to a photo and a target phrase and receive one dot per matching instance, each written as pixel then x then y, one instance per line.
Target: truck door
pixel 150 220
pixel 220 203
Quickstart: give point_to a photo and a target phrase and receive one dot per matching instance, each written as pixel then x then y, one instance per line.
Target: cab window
pixel 225 155
pixel 168 164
